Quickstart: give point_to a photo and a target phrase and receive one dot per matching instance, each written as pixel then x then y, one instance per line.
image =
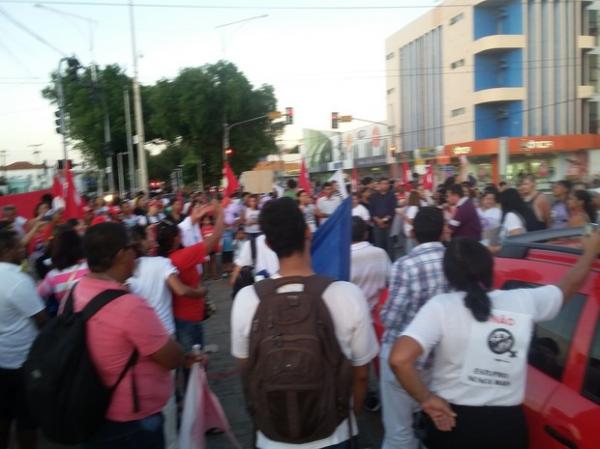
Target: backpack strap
pixel 100 301
pixel 314 285
pixel 253 250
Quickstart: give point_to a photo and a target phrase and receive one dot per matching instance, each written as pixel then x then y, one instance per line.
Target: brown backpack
pixel 297 381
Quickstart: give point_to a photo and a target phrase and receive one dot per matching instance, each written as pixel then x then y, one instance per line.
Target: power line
pixel 30 32
pixel 250 7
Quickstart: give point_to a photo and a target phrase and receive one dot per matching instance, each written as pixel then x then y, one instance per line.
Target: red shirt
pixel 125 324
pixel 186 261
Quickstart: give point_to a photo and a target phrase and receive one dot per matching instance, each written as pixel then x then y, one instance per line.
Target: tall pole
pixel 137 105
pixel 226 129
pixel 129 142
pixel 121 174
pixel 61 109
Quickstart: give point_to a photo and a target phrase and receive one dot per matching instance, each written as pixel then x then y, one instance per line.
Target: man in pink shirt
pixel 125 325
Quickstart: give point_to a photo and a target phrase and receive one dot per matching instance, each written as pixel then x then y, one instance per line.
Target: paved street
pixel 225 381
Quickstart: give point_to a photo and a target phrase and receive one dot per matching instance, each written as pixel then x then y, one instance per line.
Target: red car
pixel 562 400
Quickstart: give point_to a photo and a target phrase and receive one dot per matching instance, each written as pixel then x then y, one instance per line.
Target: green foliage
pixel 187 112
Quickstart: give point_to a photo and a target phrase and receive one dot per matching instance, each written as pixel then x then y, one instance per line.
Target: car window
pixel 551 340
pixel 591 383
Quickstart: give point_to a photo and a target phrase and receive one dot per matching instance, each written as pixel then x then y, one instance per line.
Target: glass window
pixel 457 112
pixel 591 383
pixel 551 340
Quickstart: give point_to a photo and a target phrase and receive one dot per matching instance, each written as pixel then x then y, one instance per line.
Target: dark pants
pixel 381 239
pixel 189 333
pixel 145 433
pixel 13 402
pixel 481 427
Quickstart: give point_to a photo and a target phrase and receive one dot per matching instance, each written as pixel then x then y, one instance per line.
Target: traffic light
pixel 289 116
pixel 58 122
pixel 334 120
pixel 229 152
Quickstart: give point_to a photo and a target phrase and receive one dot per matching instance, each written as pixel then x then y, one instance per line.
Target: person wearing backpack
pixel 129 349
pixel 304 343
pixel 22 312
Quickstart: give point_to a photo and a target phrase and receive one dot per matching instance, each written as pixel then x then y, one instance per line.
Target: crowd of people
pixel 431 251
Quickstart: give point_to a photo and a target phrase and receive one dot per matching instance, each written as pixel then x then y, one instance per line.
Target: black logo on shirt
pixel 501 341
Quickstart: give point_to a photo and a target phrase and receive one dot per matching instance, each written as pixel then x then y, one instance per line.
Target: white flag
pixel 338 176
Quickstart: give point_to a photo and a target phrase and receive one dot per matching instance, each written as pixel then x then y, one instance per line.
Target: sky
pixel 318 60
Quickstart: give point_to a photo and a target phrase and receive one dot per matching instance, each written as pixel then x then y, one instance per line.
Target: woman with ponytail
pixel 480 338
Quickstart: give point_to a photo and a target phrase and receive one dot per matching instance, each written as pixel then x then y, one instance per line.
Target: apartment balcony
pixel 586 42
pixel 585 92
pixel 499 94
pixel 499 42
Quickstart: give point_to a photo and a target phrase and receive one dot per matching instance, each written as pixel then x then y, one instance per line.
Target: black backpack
pixel 246 274
pixel 64 391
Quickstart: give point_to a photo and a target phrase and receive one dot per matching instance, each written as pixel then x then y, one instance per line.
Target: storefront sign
pixel 370 161
pixel 529 145
pixel 459 151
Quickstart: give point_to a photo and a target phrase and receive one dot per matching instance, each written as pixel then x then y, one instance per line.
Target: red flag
pixel 303 180
pixel 428 178
pixel 355 180
pixel 73 203
pixel 406 176
pixel 230 181
pixel 57 187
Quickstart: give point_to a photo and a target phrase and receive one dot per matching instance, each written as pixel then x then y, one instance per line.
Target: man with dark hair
pixel 465 222
pixel 414 279
pixel 289 237
pixel 125 325
pixel 9 213
pixel 21 313
pixel 382 205
pixel 560 211
pixel 292 189
pixel 328 203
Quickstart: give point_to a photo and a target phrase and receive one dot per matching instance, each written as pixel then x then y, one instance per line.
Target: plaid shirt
pixel 415 278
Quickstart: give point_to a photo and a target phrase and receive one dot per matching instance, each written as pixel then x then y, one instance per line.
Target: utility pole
pixel 121 174
pixel 137 105
pixel 131 162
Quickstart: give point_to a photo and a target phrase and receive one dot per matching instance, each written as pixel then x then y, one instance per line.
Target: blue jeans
pixel 145 433
pixel 189 333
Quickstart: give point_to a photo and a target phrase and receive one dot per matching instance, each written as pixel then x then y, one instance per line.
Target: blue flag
pixel 330 249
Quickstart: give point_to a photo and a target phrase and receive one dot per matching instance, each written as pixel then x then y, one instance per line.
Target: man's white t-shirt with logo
pixel 150 282
pixel 353 329
pixel 482 364
pixel 266 259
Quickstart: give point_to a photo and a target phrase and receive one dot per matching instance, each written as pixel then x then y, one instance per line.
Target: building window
pixel 389 56
pixel 457 18
pixel 457 112
pixel 390 91
pixel 457 64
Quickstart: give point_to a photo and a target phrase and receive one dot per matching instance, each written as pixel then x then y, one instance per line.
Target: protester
pixel 291 190
pixel 264 260
pixel 465 222
pixel 210 266
pixel 308 209
pixel 409 213
pixel 382 205
pixel 369 265
pixel 9 214
pixel 359 209
pixel 189 311
pixel 250 218
pixel 560 209
pixel 68 264
pixel 328 203
pixel 190 226
pixel 176 211
pixel 581 208
pixel 287 234
pixel 114 333
pixel 466 406
pixel 490 216
pixel 537 202
pixel 21 313
pixel 515 214
pixel 414 279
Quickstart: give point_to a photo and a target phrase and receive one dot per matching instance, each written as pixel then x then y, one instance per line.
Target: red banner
pixel 24 202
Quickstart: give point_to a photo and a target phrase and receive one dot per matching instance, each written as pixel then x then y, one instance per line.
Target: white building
pixel 22 176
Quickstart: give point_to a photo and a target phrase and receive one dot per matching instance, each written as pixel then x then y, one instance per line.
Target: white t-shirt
pixel 362 212
pixel 410 213
pixel 266 259
pixel 353 329
pixel 328 205
pixel 251 216
pixel 19 301
pixel 150 282
pixel 369 270
pixel 512 222
pixel 190 233
pixel 490 218
pixel 482 363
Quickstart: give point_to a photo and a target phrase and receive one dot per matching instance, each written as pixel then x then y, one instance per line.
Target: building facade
pixel 23 176
pixel 470 71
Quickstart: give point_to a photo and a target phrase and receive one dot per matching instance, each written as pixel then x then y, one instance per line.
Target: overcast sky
pixel 318 60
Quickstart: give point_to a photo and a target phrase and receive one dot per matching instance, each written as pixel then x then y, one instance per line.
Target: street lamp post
pixel 121 174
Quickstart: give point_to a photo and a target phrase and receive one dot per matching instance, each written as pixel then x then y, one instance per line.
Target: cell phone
pixel 590 228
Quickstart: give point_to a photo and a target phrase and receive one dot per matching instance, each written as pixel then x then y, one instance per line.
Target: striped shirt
pixel 415 278
pixel 58 282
